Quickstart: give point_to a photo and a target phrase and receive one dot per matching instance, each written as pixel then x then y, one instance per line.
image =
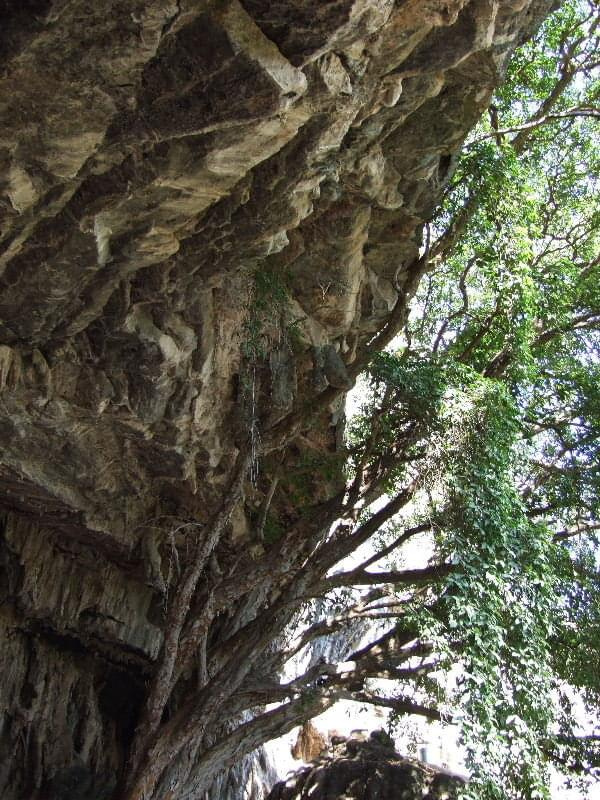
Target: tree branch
pixel 407 577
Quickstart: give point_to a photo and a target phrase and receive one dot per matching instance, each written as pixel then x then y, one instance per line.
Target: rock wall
pixel 182 182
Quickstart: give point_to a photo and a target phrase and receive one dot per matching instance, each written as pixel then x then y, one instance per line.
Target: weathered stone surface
pixel 309 744
pixel 358 769
pixel 153 156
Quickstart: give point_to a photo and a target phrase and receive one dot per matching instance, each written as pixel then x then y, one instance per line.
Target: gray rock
pixel 367 769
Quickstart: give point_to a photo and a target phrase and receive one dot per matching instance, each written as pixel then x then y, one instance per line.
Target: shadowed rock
pixel 370 769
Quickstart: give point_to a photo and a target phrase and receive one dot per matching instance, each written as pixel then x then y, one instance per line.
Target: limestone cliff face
pixel 165 165
pixel 356 769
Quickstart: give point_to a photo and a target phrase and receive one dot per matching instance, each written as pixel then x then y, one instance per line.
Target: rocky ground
pixel 367 769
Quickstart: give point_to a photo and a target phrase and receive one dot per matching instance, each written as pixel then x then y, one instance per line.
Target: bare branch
pixel 580 529
pixel 401 705
pixel 398 542
pixel 571 113
pixel 162 681
pixel 342 542
pixel 407 577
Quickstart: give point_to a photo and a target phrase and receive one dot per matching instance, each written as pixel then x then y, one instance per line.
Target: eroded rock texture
pixel 167 165
pixel 356 769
